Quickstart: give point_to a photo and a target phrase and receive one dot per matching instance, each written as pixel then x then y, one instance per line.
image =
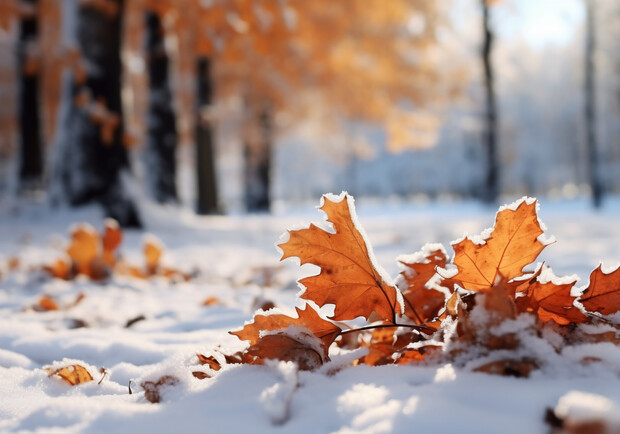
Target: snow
pixel 335 398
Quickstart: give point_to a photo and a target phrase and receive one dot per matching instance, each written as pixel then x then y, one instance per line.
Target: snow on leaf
pixel 308 318
pixel 511 246
pixel 349 277
pixel 603 293
pixel 553 302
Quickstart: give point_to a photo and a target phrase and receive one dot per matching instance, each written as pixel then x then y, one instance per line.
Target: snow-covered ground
pixel 233 259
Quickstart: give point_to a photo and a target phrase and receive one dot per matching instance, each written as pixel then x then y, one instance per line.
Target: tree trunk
pixel 161 142
pixel 93 157
pixel 31 152
pixel 491 183
pixel 205 152
pixel 257 157
pixel 590 106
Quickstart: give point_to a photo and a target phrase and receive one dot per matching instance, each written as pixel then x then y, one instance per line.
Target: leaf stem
pixel 420 328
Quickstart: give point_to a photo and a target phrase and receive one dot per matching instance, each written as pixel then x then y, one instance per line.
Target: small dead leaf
pixel 84 247
pixel 111 239
pixel 509 368
pixel 72 375
pixel 210 361
pixel 152 391
pixel 46 303
pixel 153 250
pixel 280 346
pixel 211 301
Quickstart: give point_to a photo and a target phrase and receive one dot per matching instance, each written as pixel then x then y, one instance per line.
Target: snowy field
pixel 234 260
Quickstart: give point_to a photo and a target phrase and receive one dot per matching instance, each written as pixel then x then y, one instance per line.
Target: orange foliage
pixel 490 281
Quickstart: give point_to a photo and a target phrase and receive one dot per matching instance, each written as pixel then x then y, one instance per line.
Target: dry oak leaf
pixel 308 318
pixel 603 293
pixel 209 360
pixel 552 302
pixel 350 277
pixel 282 346
pixel 511 245
pixel 422 304
pixel 59 269
pixel 72 374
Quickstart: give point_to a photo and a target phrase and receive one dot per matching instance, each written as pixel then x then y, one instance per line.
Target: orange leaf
pixel 111 239
pixel 153 249
pixel 422 304
pixel 72 375
pixel 47 303
pixel 209 360
pixel 281 346
pixel 84 247
pixel 349 277
pixel 211 301
pixel 512 245
pixel 308 318
pixel 553 303
pixel 603 293
pixel 59 269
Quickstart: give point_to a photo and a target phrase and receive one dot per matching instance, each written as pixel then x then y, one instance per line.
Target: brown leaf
pixel 348 277
pixel 552 303
pixel 511 368
pixel 422 304
pixel 308 318
pixel 200 375
pixel 210 301
pixel 603 293
pixel 511 246
pixel 283 347
pixel 72 375
pixel 209 360
pixel 152 388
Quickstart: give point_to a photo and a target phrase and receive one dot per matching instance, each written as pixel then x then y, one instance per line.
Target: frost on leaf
pixel 511 246
pixel 348 277
pixel 603 293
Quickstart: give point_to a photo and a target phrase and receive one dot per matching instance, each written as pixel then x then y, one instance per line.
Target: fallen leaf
pixel 552 302
pixel 510 368
pixel 153 250
pixel 47 303
pixel 209 360
pixel 111 239
pixel 283 347
pixel 324 330
pixel 603 293
pixel 210 301
pixel 60 269
pixel 151 389
pixel 511 246
pixel 349 278
pixel 422 304
pixel 84 247
pixel 72 375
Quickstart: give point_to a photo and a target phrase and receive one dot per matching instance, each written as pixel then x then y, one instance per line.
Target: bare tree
pixel 491 182
pixel 590 105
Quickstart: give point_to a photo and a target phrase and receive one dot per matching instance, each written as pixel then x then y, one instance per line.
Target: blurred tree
pixel 161 139
pixel 491 183
pixel 92 156
pixel 31 152
pixel 590 104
